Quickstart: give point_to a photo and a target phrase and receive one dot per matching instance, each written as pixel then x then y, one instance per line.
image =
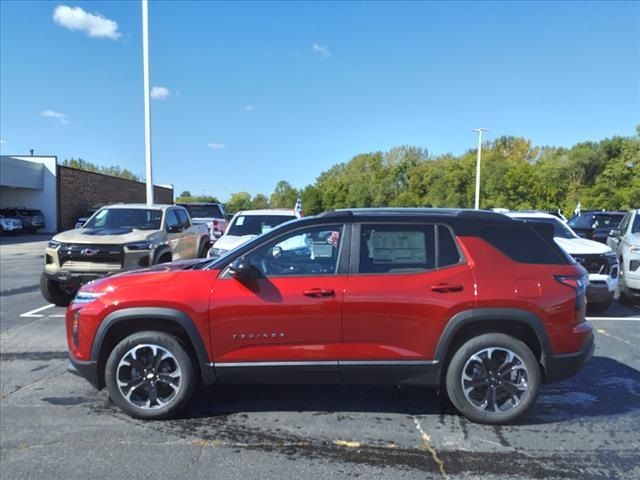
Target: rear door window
pixel 396 248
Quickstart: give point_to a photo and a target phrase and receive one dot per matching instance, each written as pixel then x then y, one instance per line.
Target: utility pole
pixel 479 130
pixel 147 100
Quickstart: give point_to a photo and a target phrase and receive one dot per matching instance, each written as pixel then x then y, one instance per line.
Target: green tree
pixel 239 201
pixel 260 202
pixel 284 195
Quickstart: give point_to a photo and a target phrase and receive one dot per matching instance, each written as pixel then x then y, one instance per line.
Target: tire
pixel 53 292
pixel 524 374
pixel 175 367
pixel 204 249
pixel 599 307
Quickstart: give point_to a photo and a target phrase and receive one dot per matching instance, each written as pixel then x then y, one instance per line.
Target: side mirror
pixel 615 232
pixel 241 269
pixel 174 228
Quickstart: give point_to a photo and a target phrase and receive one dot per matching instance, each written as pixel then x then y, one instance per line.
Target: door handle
pixel 447 287
pixel 319 292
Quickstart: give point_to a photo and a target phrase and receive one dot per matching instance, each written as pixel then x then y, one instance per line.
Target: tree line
pixel 515 175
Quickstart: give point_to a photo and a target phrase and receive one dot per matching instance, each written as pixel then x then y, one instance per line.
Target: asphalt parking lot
pixel 55 425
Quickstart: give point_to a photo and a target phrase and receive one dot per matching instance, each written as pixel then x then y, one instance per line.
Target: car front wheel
pixel 150 375
pixel 55 292
pixel 493 378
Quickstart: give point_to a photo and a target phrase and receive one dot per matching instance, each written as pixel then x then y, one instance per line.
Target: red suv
pixel 482 305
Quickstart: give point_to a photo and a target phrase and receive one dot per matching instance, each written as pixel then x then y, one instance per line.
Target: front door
pixel 406 281
pixel 285 323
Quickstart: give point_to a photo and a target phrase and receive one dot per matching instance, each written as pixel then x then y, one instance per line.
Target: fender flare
pixel 169 314
pixel 161 250
pixel 480 315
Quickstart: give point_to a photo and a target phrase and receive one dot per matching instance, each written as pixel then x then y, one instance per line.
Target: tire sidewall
pixel 459 359
pixel 183 359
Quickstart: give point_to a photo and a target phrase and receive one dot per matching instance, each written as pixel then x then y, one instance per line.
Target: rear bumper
pixel 561 367
pixel 601 292
pixel 86 370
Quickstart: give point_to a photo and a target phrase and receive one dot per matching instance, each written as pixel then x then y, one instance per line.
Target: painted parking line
pixel 614 319
pixel 60 315
pixel 36 312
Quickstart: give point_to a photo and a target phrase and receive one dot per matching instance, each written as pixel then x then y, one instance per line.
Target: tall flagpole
pixel 147 100
pixel 479 158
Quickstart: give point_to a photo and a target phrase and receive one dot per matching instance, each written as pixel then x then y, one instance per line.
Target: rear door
pixel 189 236
pixel 406 280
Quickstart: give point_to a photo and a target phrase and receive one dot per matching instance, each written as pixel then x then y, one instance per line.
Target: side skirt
pixel 389 372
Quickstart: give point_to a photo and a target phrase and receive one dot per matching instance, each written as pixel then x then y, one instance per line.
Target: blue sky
pixel 259 92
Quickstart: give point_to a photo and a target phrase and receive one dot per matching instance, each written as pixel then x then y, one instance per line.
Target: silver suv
pixel 118 238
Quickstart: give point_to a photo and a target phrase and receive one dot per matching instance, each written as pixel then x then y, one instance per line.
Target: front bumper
pixel 75 278
pixel 561 367
pixel 86 370
pixel 11 228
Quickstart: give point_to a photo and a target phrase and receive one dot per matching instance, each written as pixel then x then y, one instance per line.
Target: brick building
pixel 63 193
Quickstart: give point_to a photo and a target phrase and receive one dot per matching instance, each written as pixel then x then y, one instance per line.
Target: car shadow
pixel 604 387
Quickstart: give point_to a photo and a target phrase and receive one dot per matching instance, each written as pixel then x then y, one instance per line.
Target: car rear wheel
pixel 493 378
pixel 56 292
pixel 150 375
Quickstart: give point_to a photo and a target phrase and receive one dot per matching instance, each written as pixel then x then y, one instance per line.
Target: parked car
pixel 87 215
pixel 595 225
pixel 211 213
pixel 247 225
pixel 485 305
pixel 625 242
pixel 10 225
pixel 115 239
pixel 32 219
pixel 598 259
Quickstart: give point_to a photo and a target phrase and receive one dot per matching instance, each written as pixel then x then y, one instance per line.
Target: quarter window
pixel 396 248
pixel 311 251
pixel 448 253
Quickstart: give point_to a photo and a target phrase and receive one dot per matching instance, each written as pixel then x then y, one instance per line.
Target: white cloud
pixel 249 108
pixel 160 93
pixel 321 50
pixel 215 146
pixel 94 25
pixel 53 114
pixel 2 140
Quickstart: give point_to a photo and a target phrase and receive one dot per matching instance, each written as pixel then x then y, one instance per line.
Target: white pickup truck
pixel 118 238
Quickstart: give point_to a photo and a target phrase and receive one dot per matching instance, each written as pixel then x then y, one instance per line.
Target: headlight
pixel 53 244
pixel 634 249
pixel 216 252
pixel 139 246
pixel 87 297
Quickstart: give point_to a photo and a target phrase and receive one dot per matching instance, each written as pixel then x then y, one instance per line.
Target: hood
pixel 229 242
pixel 103 235
pixel 146 276
pixel 582 246
pixel 634 239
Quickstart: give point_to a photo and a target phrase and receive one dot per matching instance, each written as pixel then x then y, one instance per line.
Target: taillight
pixel 578 283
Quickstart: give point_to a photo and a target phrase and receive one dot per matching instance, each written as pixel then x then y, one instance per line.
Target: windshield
pixel 256 224
pixel 136 218
pixel 204 211
pixel 559 228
